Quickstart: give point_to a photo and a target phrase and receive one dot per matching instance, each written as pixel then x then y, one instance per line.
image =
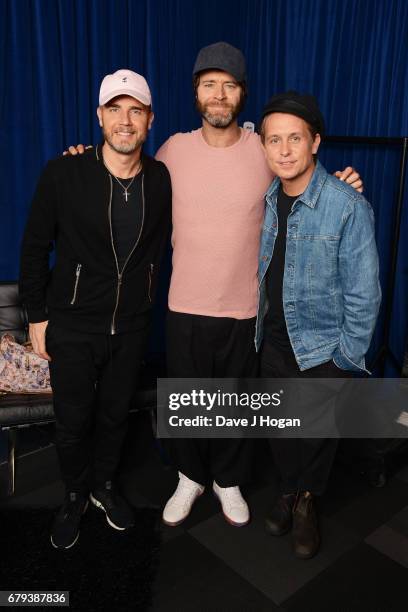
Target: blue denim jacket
pixel 331 289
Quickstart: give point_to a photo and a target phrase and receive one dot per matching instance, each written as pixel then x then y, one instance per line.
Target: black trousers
pixel 303 464
pixel 211 347
pixel 93 378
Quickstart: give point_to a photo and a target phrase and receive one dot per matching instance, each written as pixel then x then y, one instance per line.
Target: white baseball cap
pixel 125 83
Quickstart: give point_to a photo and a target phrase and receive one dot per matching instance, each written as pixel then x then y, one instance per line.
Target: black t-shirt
pixel 275 324
pixel 126 216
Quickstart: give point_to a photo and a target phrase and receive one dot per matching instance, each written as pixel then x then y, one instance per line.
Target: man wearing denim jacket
pixel 319 294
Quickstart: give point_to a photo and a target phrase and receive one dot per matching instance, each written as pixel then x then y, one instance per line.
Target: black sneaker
pixel 118 512
pixel 65 529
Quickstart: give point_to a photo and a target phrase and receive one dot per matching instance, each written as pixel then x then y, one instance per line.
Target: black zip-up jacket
pixel 71 210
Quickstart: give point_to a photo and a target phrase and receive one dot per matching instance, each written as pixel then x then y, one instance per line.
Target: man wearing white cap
pixel 107 214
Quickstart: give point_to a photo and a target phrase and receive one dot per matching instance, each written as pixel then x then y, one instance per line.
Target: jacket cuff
pixel 345 363
pixel 37 315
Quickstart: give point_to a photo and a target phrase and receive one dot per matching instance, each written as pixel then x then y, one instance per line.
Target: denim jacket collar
pixel 312 192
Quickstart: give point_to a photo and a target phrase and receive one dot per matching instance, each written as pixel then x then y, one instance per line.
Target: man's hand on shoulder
pixel 351 176
pixel 78 149
pixel 37 337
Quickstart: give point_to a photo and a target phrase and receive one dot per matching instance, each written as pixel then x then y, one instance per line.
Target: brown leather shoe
pixel 279 520
pixel 306 538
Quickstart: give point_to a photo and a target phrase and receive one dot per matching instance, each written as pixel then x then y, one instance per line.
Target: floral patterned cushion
pixel 21 370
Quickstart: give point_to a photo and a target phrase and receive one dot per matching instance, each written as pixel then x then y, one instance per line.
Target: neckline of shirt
pixel 209 147
pixel 126 180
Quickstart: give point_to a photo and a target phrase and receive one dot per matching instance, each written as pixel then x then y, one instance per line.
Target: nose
pixel 219 93
pixel 125 117
pixel 284 148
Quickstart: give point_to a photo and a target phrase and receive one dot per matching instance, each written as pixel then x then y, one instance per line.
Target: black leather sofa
pixel 25 410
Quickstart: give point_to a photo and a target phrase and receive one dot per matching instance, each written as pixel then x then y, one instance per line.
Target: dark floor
pixel 208 565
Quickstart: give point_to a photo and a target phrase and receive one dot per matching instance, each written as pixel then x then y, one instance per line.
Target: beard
pixel 126 148
pixel 219 120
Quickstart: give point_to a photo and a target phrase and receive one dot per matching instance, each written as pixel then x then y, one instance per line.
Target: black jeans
pixel 303 464
pixel 93 378
pixel 211 347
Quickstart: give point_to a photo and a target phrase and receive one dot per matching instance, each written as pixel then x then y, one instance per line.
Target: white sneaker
pixel 234 506
pixel 180 503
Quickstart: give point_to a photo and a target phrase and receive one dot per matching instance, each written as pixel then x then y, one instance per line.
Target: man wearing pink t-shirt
pixel 219 177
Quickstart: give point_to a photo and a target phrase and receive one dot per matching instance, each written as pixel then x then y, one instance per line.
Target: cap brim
pixel 223 68
pixel 291 107
pixel 125 92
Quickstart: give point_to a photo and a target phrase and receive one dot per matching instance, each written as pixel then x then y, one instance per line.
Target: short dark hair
pixel 312 128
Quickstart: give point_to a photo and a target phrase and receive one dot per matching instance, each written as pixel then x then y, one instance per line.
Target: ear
pixel 316 144
pixel 99 113
pixel 150 120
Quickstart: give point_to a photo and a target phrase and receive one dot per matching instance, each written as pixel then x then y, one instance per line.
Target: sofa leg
pixel 12 440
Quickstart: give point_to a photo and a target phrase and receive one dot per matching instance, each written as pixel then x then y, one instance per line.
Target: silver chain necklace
pixel 126 192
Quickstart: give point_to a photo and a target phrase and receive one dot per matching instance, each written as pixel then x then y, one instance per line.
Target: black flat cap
pixel 221 56
pixel 293 103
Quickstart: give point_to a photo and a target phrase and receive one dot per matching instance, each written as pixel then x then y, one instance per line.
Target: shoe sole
pixel 101 507
pixel 228 519
pixel 76 539
pixel 175 524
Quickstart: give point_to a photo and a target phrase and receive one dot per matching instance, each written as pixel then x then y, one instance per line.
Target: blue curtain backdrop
pixel 352 54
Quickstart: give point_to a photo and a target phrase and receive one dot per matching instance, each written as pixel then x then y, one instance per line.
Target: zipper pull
pixel 150 281
pixel 77 273
pixel 113 326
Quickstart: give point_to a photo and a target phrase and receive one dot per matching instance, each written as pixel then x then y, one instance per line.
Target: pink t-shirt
pixel 218 210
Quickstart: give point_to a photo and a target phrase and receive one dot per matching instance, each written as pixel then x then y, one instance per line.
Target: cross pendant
pixel 126 193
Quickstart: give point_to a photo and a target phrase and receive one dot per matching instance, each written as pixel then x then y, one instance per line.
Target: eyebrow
pixel 215 81
pixel 114 105
pixel 291 134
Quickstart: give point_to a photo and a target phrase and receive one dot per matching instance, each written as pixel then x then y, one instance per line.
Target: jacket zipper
pixel 120 273
pixel 151 269
pixel 77 274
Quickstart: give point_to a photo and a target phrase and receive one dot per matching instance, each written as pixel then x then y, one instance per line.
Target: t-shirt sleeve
pixel 164 154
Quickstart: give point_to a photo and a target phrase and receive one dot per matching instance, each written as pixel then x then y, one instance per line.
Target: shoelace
pixel 72 508
pixel 110 499
pixel 234 496
pixel 191 489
